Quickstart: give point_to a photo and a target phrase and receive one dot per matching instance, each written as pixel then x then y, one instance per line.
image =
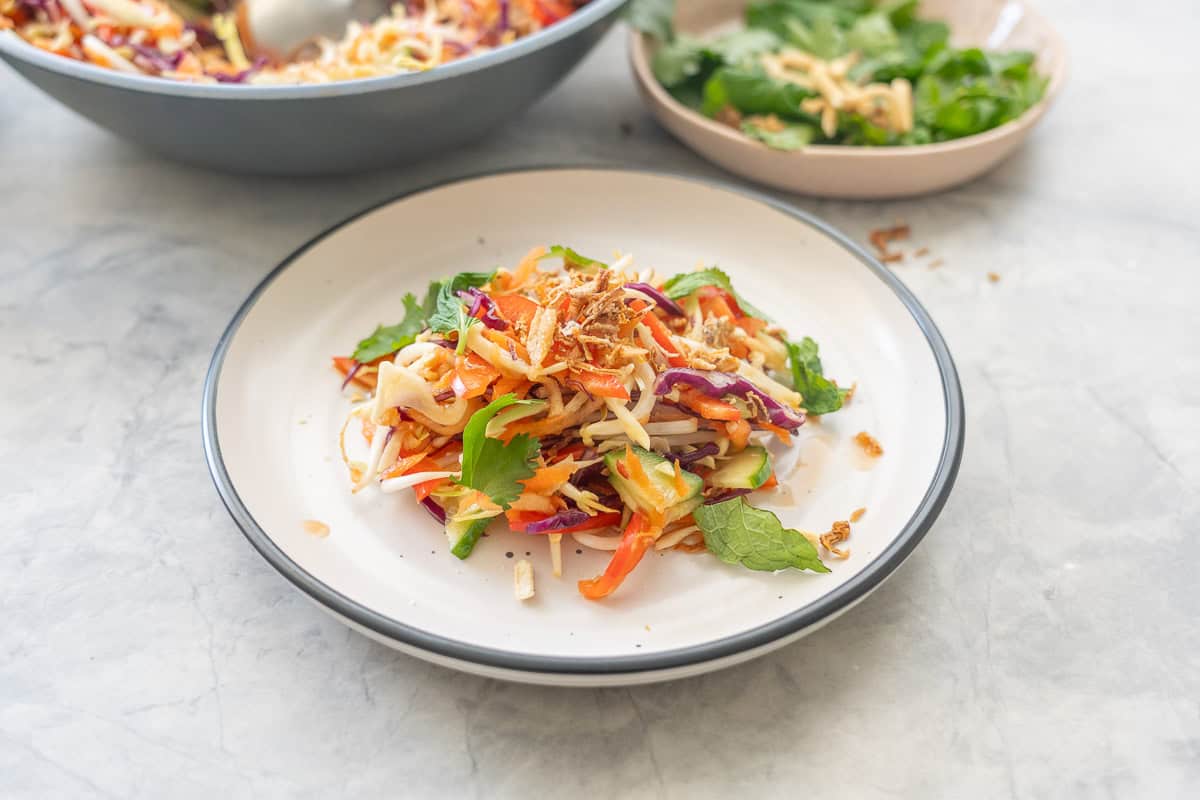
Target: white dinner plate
pixel 273 409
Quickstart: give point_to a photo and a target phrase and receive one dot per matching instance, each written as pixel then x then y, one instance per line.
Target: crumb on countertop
pixel 882 239
pixel 994 277
pixel 857 514
pixel 869 444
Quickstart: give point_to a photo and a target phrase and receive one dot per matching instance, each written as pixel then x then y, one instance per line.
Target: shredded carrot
pixel 344 365
pixel 681 487
pixel 403 465
pixel 426 488
pixel 504 341
pixel 541 427
pixel 475 374
pixel 739 434
pixel 638 475
pixel 506 385
pixel 784 434
pixel 526 269
pixel 547 480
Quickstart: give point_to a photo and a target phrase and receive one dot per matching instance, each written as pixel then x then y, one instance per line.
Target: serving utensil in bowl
pixel 330 128
pixel 280 27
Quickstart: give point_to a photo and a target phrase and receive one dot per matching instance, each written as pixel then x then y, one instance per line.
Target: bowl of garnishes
pixel 848 98
pixel 187 78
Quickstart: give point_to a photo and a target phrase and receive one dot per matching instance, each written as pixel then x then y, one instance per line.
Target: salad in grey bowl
pixel 280 127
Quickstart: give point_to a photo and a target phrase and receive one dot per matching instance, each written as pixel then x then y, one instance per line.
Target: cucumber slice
pixel 636 497
pixel 749 469
pixel 464 535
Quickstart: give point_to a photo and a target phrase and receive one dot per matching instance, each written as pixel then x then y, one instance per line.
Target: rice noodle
pixel 412 479
pixel 669 540
pixel 596 542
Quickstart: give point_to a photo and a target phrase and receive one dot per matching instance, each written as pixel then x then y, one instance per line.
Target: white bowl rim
pixel 13 45
pixel 640 43
pixel 799 620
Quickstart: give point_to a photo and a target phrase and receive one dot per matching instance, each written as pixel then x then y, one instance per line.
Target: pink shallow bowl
pixel 864 172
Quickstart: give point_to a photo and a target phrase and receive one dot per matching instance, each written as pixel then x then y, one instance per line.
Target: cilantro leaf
pixel 820 394
pixel 736 47
pixel 738 533
pixel 685 283
pixel 444 318
pixel 492 466
pixel 873 35
pixel 388 339
pixel 676 61
pixel 655 17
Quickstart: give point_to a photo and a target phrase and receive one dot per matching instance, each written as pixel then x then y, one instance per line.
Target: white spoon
pixel 278 28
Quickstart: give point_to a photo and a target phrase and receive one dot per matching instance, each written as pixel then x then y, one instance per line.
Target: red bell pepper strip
pixel 635 541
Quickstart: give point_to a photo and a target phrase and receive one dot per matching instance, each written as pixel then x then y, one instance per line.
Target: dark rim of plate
pixel 826 606
pixel 13 45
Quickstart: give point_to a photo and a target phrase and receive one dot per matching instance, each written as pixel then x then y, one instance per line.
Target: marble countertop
pixel 1043 642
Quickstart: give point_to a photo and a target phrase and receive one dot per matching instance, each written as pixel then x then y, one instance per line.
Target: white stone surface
pixel 1042 643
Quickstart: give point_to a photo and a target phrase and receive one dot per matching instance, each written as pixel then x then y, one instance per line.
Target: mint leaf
pixel 492 466
pixel 685 283
pixel 655 17
pixel 444 317
pixel 389 339
pixel 820 394
pixel 738 533
pixel 751 91
pixel 574 260
pixel 807 353
pixel 793 136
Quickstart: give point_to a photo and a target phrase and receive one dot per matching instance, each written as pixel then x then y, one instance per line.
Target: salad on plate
pixel 567 396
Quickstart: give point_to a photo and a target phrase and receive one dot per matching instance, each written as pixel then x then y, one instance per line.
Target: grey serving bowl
pixel 329 128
